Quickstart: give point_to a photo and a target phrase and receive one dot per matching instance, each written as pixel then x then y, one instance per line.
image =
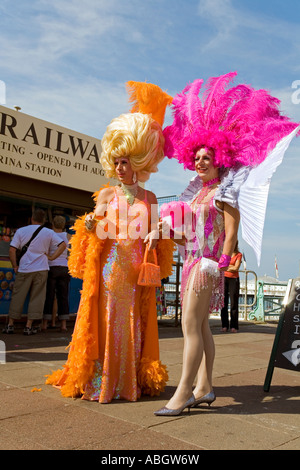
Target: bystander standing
pixel 32 272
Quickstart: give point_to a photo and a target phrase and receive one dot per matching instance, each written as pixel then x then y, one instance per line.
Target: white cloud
pixel 239 32
pixel 62 33
pixel 222 16
pixel 82 107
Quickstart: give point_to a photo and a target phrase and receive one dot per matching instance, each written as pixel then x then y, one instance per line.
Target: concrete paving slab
pixel 244 417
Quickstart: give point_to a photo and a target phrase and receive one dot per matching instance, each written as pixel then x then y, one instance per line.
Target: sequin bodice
pixel 206 242
pixel 209 230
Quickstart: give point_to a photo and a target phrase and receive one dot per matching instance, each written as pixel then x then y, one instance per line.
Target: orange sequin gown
pixel 116 334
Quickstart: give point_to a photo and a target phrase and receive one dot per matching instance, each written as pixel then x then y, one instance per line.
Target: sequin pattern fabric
pixel 207 243
pixel 115 374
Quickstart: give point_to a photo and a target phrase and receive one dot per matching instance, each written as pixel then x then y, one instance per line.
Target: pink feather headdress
pixel 241 124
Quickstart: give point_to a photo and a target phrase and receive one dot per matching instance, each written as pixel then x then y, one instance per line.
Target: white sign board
pixel 38 149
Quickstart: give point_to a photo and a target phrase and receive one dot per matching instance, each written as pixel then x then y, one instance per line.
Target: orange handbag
pixel 149 273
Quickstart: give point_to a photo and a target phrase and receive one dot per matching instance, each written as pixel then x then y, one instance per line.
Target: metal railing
pixel 267 305
pixel 247 305
pixel 260 306
pixel 174 303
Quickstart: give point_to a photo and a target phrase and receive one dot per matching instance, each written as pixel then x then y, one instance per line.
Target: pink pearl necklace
pixel 211 182
pixel 206 189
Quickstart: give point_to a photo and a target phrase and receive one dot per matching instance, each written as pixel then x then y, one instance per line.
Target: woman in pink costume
pixel 230 139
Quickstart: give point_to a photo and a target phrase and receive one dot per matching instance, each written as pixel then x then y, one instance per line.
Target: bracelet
pixel 89 225
pixel 224 261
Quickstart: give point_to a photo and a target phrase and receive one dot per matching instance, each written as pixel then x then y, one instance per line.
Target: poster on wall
pixel 7 279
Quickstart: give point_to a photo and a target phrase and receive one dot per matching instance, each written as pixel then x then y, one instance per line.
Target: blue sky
pixel 67 62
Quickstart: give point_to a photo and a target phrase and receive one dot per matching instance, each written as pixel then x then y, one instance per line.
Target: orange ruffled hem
pixel 152 377
pixel 80 364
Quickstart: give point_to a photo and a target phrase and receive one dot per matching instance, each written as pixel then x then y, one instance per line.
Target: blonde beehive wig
pixel 136 136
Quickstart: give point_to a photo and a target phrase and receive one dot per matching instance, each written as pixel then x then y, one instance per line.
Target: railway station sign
pixel 37 149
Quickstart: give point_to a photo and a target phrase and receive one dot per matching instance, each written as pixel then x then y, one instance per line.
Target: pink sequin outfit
pixel 206 245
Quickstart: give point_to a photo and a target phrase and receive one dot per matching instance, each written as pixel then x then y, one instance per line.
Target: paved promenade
pixel 243 417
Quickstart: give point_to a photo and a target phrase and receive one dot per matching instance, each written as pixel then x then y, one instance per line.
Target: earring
pixel 134 179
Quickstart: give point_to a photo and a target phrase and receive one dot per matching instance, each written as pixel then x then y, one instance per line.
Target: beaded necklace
pixel 130 191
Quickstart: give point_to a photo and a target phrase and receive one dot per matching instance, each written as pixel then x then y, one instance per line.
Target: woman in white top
pixel 32 272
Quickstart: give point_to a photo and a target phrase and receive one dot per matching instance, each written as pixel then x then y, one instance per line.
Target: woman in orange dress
pixel 114 353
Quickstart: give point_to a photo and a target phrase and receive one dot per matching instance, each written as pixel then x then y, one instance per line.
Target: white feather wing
pixel 253 195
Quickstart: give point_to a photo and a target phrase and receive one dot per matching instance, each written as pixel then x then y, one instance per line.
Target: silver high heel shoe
pixel 169 412
pixel 209 398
